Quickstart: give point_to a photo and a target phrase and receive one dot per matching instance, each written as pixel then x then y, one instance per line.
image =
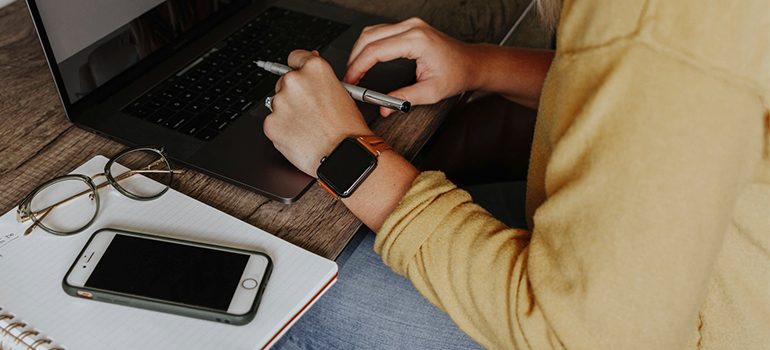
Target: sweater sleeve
pixel 648 151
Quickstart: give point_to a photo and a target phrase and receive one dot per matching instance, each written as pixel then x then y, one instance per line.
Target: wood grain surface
pixel 37 142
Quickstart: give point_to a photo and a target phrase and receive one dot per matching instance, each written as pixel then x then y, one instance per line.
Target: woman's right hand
pixel 444 65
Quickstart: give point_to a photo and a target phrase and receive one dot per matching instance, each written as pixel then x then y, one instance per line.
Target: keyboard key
pixel 133 106
pixel 207 98
pixel 230 115
pixel 162 115
pixel 241 73
pixel 178 120
pixel 207 134
pixel 192 78
pixel 203 69
pixel 239 90
pixel 180 86
pixel 223 55
pixel 210 79
pixel 143 112
pixel 219 89
pixel 157 103
pixel 215 62
pixel 229 82
pixel 195 107
pixel 188 96
pixel 259 75
pixel 168 95
pixel 200 87
pixel 233 64
pixel 229 99
pixel 243 105
pixel 219 124
pixel 177 104
pixel 217 108
pixel 249 83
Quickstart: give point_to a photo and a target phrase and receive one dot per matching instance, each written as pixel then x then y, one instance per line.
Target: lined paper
pixel 32 268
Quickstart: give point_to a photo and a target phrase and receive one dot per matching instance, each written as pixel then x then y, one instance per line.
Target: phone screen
pixel 169 271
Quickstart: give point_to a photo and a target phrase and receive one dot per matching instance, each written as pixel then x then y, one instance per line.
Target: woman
pixel 647 194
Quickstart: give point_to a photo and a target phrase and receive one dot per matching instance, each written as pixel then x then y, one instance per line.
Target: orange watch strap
pixel 326 187
pixel 374 144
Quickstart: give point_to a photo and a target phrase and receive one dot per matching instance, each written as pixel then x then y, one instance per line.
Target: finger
pixel 386 112
pixel 418 94
pixel 297 58
pixel 390 48
pixel 381 31
pixel 274 102
pixel 279 85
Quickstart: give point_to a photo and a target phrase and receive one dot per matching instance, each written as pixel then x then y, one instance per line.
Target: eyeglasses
pixel 76 197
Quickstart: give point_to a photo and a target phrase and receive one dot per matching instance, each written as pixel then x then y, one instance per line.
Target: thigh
pixel 372 307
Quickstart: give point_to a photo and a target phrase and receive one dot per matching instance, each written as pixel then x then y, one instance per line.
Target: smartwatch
pixel 342 171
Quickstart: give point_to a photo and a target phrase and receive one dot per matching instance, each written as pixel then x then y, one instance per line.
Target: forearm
pixel 515 73
pixel 379 194
pixel 463 260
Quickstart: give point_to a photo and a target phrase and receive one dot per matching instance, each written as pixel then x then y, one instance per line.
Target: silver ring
pixel 269 103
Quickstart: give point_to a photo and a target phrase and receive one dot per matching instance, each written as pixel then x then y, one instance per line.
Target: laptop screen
pixel 93 41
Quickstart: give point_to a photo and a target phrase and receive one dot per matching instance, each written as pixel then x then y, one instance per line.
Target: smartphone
pixel 170 275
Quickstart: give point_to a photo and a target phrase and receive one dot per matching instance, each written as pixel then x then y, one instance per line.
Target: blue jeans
pixel 372 307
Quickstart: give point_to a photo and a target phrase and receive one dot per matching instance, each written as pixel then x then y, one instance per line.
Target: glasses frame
pixel 24 213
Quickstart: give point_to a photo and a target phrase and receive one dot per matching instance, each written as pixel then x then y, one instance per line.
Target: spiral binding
pixel 18 335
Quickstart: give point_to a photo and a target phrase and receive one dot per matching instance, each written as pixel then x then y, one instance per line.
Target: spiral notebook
pixel 36 313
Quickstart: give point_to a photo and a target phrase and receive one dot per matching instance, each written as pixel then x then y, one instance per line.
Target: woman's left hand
pixel 312 112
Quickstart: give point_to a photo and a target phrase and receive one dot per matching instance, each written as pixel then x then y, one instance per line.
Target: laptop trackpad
pixel 244 155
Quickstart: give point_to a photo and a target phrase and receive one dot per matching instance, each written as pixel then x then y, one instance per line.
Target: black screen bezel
pixel 321 172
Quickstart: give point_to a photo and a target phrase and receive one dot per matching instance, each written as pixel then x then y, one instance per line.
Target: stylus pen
pixel 356 92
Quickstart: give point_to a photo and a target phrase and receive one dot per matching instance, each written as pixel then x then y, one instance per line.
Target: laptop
pixel 179 74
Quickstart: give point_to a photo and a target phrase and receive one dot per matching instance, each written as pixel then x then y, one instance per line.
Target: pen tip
pixel 260 64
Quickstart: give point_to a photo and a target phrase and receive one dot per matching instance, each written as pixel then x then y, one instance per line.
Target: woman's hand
pixel 444 65
pixel 312 112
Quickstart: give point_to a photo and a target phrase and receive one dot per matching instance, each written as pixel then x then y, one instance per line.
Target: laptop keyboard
pixel 213 92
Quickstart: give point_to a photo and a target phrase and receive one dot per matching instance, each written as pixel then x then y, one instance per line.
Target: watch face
pixel 346 167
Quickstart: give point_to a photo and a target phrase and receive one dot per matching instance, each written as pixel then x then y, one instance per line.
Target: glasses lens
pixel 64 207
pixel 142 173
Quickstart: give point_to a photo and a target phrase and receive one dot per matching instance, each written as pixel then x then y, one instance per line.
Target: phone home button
pixel 249 283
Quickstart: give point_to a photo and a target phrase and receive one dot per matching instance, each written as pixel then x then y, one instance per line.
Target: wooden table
pixel 37 143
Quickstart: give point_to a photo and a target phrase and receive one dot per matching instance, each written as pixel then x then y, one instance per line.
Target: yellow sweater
pixel 648 193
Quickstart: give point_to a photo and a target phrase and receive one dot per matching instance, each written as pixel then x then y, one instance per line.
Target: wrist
pixel 335 132
pixel 476 64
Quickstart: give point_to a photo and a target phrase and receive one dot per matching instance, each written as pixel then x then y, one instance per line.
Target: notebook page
pixel 32 268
